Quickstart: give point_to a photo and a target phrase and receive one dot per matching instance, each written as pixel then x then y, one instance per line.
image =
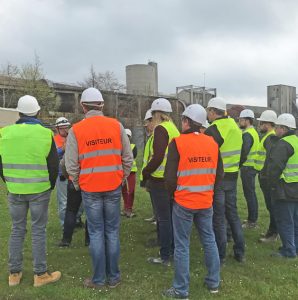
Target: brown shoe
pixel 89 284
pixel 14 279
pixel 40 280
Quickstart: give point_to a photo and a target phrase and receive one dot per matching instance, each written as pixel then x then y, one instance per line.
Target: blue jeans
pixel 61 186
pixel 248 178
pixel 18 208
pixel 286 216
pixel 182 223
pixel 103 217
pixel 163 208
pixel 225 206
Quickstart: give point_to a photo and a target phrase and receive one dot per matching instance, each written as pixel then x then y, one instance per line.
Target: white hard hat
pixel 62 121
pixel 268 116
pixel 28 105
pixel 148 115
pixel 206 125
pixel 196 112
pixel 91 95
pixel 286 120
pixel 218 103
pixel 247 113
pixel 128 132
pixel 161 104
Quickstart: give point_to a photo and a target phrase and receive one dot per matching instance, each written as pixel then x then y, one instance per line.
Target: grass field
pixel 261 277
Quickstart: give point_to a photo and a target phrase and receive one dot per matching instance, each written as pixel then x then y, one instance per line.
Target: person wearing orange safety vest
pixel 128 189
pixel 98 159
pixel 191 174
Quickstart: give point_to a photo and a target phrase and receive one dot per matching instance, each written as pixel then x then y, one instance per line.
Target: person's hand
pixel 71 186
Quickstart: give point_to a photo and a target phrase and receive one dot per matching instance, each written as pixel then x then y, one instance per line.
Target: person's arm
pixel 126 154
pixel 135 152
pixel 172 168
pixel 53 164
pixel 1 170
pixel 213 131
pixel 160 144
pixel 247 142
pixel 219 170
pixel 277 161
pixel 72 159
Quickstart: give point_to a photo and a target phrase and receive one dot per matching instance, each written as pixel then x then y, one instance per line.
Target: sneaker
pixel 172 293
pixel 269 238
pixel 14 279
pixel 249 225
pixel 240 259
pixel 213 290
pixel 40 280
pixel 154 223
pixel 63 244
pixel 130 214
pixel 89 284
pixel 114 284
pixel 159 261
pixel 152 219
pixel 123 213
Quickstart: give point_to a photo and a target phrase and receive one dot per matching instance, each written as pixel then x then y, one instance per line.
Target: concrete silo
pixel 142 79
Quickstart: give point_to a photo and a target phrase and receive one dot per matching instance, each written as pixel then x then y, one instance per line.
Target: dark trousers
pixel 225 206
pixel 74 200
pixel 128 191
pixel 286 216
pixel 248 178
pixel 163 206
pixel 268 201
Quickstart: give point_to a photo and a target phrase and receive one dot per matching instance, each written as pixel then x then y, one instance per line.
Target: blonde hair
pixel 159 117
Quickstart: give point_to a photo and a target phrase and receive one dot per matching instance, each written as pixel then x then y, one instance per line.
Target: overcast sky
pixel 242 46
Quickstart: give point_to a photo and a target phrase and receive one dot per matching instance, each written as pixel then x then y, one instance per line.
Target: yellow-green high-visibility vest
pixel 252 155
pixel 146 155
pixel 230 150
pixel 134 167
pixel 261 156
pixel 24 149
pixel 290 173
pixel 172 132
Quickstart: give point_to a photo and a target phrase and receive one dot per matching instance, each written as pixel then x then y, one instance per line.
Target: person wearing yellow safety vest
pixel 228 136
pixel 283 181
pixel 148 125
pixel 29 166
pixel 267 122
pixel 164 131
pixel 128 188
pixel 250 138
pixel 191 174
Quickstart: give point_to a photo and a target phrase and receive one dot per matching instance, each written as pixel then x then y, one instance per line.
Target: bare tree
pixel 103 81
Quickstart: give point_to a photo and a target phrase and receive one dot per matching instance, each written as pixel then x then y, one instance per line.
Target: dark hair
pixel 89 107
pixel 251 120
pixel 219 112
pixel 194 126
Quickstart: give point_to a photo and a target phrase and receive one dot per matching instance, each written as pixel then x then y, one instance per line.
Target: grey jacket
pixel 72 155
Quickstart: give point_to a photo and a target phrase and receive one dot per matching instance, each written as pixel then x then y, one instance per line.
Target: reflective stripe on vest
pixel 172 133
pixel 196 170
pixel 252 155
pixel 24 149
pixel 290 173
pixel 230 150
pixel 134 167
pixel 99 149
pixel 146 155
pixel 261 155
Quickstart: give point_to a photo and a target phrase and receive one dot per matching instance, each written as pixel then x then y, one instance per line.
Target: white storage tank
pixel 142 79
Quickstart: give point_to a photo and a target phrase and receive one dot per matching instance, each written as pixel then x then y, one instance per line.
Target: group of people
pixel 191 177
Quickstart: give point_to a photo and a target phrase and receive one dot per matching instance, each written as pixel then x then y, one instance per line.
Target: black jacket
pixel 277 160
pixel 247 142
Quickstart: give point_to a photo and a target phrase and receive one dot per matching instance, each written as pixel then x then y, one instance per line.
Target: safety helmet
pixel 91 95
pixel 62 121
pixel 286 120
pixel 247 113
pixel 161 104
pixel 206 125
pixel 268 116
pixel 28 105
pixel 128 132
pixel 196 112
pixel 148 115
pixel 218 103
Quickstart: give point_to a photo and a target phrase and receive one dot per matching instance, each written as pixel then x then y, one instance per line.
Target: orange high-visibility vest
pixel 59 140
pixel 196 170
pixel 99 147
